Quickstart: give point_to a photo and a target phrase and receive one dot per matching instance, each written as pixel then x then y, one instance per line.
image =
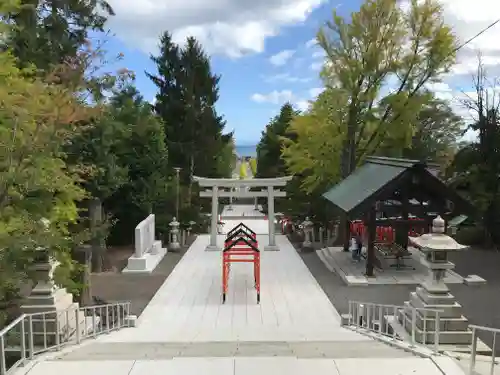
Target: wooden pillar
pixel 403 227
pixel 372 231
pixel 345 230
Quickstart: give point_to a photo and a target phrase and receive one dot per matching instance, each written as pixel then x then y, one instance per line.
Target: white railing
pixel 375 317
pixel 473 356
pixel 33 334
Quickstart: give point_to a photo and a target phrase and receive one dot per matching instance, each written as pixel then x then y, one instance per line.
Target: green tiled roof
pixel 363 183
pixel 362 186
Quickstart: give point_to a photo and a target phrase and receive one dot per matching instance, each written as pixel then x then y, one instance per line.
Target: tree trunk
pixel 343 238
pixel 96 222
pixel 86 298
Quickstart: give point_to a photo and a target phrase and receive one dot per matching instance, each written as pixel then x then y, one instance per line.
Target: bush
pixel 253 166
pixel 243 170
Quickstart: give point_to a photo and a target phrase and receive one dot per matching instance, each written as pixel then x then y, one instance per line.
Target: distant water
pixel 247 150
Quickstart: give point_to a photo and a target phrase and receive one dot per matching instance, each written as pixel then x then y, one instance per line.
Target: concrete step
pixel 300 349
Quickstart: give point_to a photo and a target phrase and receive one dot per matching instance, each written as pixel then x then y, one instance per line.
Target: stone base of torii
pixel 217 189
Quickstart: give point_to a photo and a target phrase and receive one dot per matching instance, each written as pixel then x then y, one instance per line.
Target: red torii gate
pixel 240 246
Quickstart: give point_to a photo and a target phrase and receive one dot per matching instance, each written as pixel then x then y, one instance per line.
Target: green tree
pixel 38 119
pixel 476 166
pixel 149 186
pixel 243 170
pixel 186 98
pixel 313 153
pixel 269 161
pixel 383 43
pixel 436 133
pixel 48 32
pixel 97 148
pixel 226 159
pixel 253 166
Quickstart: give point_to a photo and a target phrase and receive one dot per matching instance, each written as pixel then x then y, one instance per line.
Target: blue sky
pixel 262 49
pixel 253 86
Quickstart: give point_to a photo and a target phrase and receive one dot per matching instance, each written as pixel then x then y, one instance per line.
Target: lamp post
pixel 177 171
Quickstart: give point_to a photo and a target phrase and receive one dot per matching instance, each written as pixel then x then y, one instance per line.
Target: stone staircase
pixel 300 349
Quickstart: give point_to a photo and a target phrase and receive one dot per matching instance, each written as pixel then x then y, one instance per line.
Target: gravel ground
pixel 138 289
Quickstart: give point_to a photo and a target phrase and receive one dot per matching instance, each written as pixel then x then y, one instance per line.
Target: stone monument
pixel 148 251
pixel 434 294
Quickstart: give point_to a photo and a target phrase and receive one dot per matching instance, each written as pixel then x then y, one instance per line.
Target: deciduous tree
pixel 384 46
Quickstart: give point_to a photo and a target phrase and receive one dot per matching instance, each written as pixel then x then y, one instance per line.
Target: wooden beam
pixel 242 194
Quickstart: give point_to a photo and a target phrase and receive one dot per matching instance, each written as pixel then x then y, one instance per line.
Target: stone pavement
pixel 188 307
pixel 353 272
pixel 238 212
pixel 249 366
pixel 186 330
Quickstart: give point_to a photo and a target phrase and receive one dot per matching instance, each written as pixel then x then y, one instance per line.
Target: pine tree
pixel 269 160
pixel 187 93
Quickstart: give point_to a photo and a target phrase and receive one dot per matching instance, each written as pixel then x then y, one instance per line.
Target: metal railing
pixel 376 317
pixel 33 334
pixel 473 355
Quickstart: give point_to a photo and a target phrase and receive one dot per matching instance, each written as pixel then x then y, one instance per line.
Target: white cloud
pixel 302 105
pixel 314 92
pixel 229 27
pixel 286 77
pixel 318 54
pixel 282 57
pixel 467 19
pixel 311 43
pixel 274 97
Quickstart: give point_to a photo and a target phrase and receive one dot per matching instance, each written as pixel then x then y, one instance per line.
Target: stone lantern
pixel 61 315
pixel 307 227
pixel 174 235
pixel 190 227
pixel 434 294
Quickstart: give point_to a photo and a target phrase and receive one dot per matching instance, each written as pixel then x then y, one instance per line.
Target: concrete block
pixel 131 320
pixel 474 280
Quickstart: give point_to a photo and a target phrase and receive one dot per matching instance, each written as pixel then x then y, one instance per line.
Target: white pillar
pixel 256 204
pixel 212 246
pixel 270 218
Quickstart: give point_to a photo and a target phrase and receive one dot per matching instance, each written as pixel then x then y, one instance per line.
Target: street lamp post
pixel 177 171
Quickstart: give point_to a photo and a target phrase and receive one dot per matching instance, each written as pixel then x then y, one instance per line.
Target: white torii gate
pixel 215 184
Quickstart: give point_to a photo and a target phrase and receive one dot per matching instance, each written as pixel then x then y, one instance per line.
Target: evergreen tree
pixel 187 93
pixel 144 154
pixel 48 32
pixel 269 160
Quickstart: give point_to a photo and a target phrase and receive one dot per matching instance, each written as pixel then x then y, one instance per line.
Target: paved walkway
pixel 186 330
pixel 244 366
pixel 187 307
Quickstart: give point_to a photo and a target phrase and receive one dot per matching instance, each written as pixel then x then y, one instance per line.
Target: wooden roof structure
pixel 383 178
